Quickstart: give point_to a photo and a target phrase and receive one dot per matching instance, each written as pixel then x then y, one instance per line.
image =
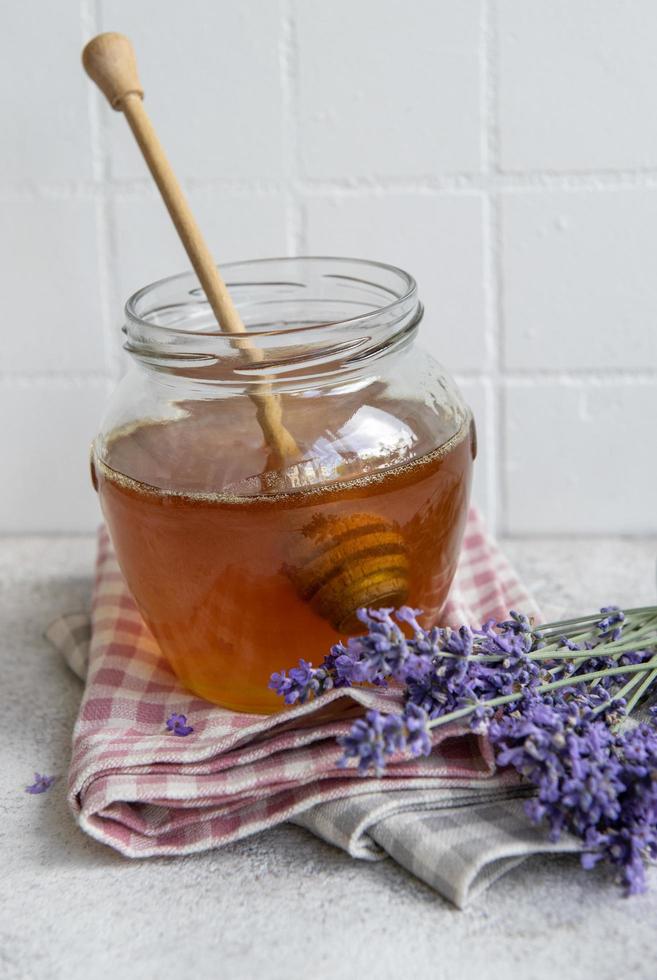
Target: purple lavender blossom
pixel 376 737
pixel 517 622
pixel 435 664
pixel 41 784
pixel 380 654
pixel 371 741
pixel 453 679
pixel 590 780
pixel 177 725
pixel 610 626
pixel 301 683
pixel 418 740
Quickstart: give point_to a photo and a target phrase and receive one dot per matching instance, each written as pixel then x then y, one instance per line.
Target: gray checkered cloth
pixel 456 839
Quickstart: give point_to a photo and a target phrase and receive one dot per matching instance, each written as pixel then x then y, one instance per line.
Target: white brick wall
pixel 504 151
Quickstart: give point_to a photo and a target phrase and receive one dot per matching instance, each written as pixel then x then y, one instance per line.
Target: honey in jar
pixel 238 571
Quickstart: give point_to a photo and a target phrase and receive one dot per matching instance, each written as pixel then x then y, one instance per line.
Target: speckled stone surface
pixel 280 905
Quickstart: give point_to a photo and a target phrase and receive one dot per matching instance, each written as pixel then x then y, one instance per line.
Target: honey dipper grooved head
pixel 344 563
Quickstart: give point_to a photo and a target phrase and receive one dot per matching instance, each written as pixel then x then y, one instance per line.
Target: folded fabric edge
pixel 104 826
pixel 70 635
pixel 460 853
pixel 346 823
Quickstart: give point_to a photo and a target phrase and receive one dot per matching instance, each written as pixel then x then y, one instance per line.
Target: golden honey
pixel 235 586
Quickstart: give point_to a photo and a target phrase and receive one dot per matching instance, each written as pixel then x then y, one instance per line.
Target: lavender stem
pixel 542 689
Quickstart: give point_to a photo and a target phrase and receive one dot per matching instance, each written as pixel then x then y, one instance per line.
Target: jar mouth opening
pixel 164 305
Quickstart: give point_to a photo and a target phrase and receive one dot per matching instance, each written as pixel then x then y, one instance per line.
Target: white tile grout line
pixel 492 277
pixel 90 25
pixel 55 381
pixel 609 378
pixel 141 188
pixel 578 377
pixel 289 76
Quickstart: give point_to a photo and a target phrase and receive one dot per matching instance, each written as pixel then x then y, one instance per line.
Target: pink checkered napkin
pixel 145 792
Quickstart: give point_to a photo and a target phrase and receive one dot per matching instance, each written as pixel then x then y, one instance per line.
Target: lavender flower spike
pixel 373 739
pixel 552 702
pixel 301 683
pixel 40 784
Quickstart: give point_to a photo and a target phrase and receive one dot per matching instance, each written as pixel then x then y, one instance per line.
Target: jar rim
pixel 406 294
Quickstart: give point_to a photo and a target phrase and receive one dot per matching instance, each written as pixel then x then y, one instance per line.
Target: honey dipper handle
pixel 109 60
pixel 176 203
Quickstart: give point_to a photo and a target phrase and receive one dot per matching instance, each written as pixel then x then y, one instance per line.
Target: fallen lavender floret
pixel 551 700
pixel 177 725
pixel 41 784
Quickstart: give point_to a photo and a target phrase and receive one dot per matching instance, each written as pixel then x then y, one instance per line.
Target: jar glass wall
pixel 240 569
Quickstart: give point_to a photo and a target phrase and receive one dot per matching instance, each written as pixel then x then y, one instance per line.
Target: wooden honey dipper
pixel 345 562
pixel 341 563
pixel 109 60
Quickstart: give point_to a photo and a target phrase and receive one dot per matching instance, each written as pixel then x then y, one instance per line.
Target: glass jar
pixel 240 570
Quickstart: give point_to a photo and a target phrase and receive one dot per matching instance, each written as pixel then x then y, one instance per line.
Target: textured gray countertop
pixel 281 904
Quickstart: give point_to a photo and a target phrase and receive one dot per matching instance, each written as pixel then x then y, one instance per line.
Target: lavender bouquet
pixel 555 702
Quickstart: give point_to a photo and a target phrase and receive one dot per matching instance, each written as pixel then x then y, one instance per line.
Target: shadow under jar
pixel 238 571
